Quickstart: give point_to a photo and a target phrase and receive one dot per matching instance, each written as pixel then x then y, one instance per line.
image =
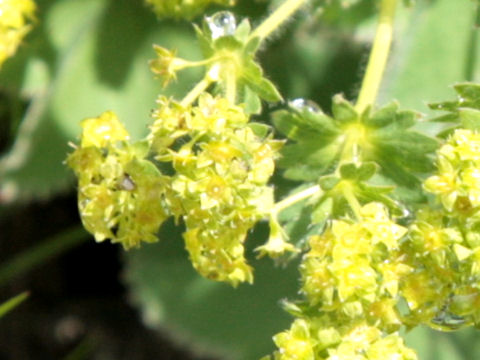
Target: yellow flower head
pixel 343 265
pixel 457 182
pixel 102 130
pixel 15 19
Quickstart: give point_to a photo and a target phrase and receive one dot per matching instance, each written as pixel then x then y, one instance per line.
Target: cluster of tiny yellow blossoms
pixel 458 180
pixel 444 244
pixel 185 9
pixel 221 172
pixel 119 192
pixel 15 16
pixel 352 266
pixel 351 279
pixel 336 338
pixel 216 166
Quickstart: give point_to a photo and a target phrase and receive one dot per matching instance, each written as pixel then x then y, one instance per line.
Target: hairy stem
pixel 294 198
pixel 378 56
pixel 277 18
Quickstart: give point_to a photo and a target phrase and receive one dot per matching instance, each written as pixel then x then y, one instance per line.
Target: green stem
pixel 196 91
pixel 471 58
pixel 378 56
pixel 294 198
pixel 13 303
pixel 277 18
pixel 38 254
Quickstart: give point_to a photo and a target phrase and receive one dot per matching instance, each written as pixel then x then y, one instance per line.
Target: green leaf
pixel 435 345
pixel 87 75
pixel 383 116
pixel 348 171
pixel 322 212
pixel 370 193
pixel 12 303
pixel 253 78
pixel 431 52
pixel 259 129
pixel 243 31
pixel 468 91
pixel 387 140
pixel 465 111
pixel 229 43
pixel 328 182
pixel 470 118
pixel 304 125
pixel 342 110
pixel 366 171
pixel 251 101
pixel 210 317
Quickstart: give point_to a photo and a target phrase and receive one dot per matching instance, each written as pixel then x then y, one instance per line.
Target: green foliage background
pixel 87 56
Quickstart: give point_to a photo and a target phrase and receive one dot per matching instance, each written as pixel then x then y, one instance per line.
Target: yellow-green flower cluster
pixel 444 245
pixel 457 182
pixel 354 267
pixel 120 194
pixel 332 338
pixel 185 9
pixel 431 247
pixel 351 278
pixel 222 167
pixel 15 18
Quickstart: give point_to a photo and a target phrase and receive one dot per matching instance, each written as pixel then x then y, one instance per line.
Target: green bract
pixel 382 136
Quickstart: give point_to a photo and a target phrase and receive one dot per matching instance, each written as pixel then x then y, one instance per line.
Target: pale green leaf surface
pixel 429 53
pixel 435 345
pixel 204 315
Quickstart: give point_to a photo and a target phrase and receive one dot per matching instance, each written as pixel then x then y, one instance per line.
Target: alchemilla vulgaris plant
pixel 376 260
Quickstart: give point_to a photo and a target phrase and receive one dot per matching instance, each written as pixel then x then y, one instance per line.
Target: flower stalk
pixel 378 56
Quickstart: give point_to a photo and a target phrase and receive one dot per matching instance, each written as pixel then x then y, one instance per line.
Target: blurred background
pixel 95 301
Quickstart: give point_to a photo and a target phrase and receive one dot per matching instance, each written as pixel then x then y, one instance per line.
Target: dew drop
pixel 303 104
pixel 222 24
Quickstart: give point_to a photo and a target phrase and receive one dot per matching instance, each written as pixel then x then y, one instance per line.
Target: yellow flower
pixel 383 313
pixel 457 182
pixel 276 244
pixel 423 294
pixel 392 272
pixel 296 343
pixel 15 16
pixel 354 276
pixel 346 268
pixel 102 130
pixel 390 347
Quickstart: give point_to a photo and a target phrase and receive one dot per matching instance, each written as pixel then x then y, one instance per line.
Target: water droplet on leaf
pixel 222 24
pixel 303 104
